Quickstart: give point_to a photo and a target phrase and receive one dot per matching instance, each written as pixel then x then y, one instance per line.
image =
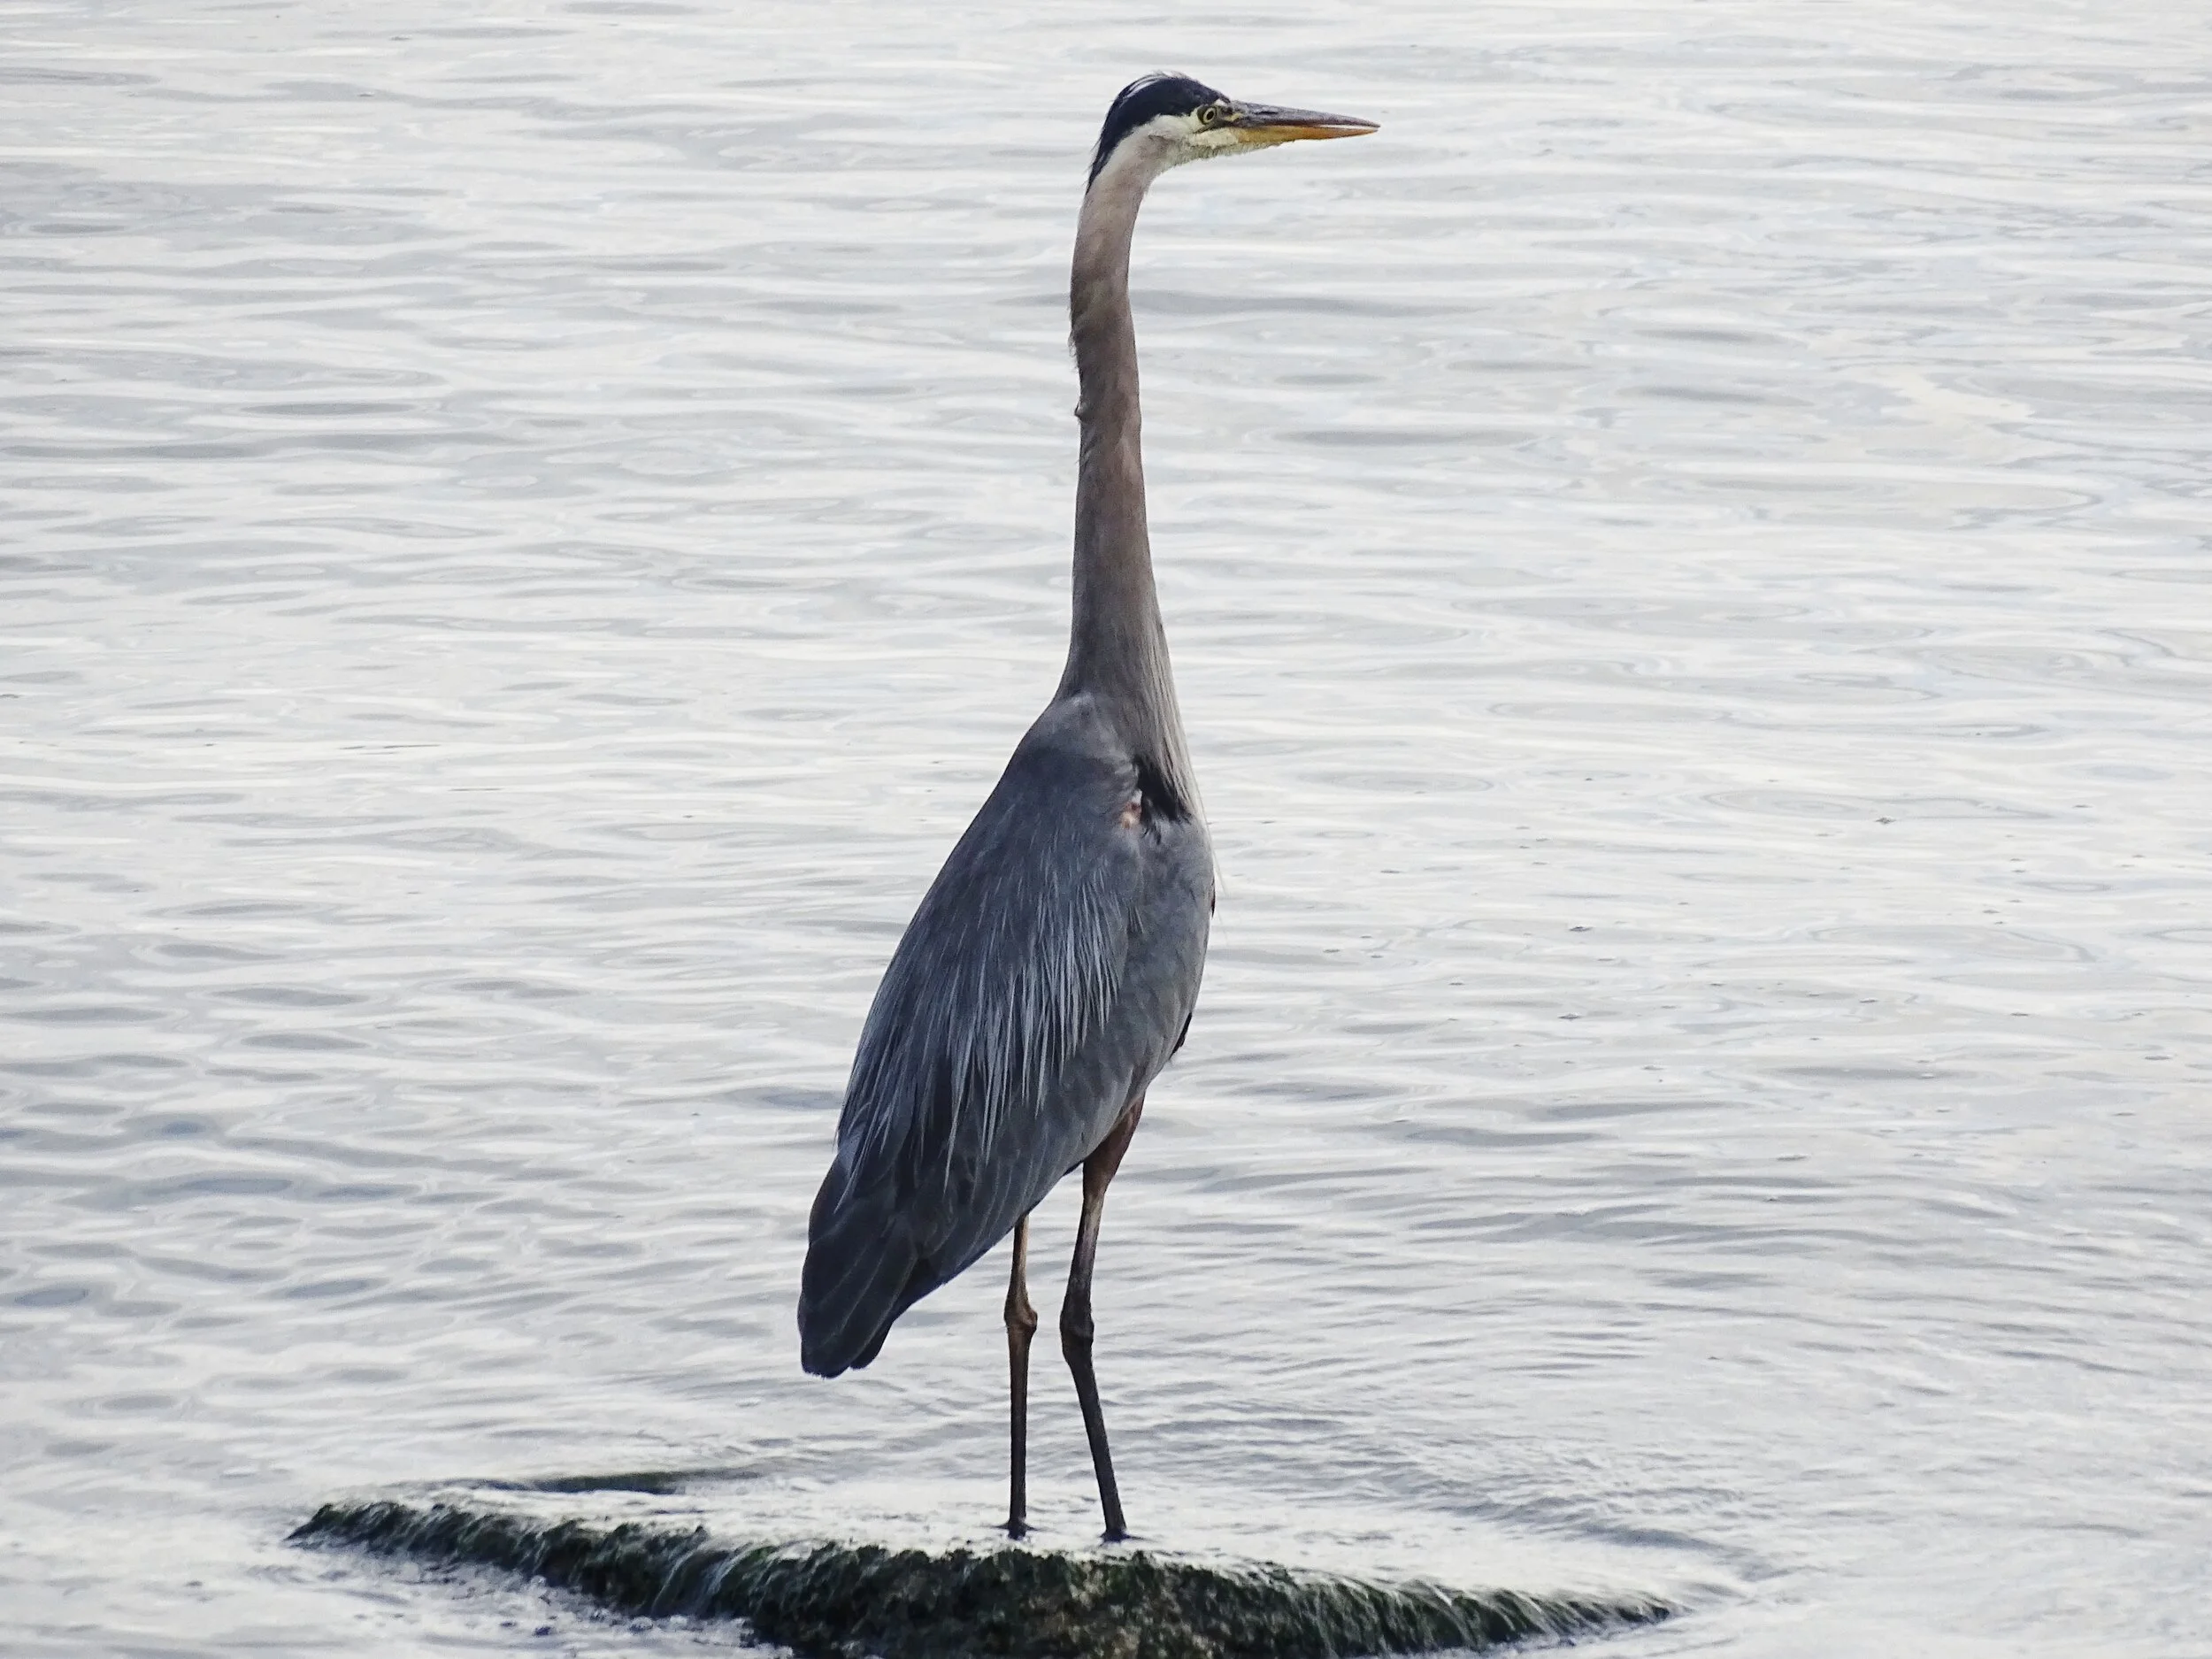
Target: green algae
pixel 829 1600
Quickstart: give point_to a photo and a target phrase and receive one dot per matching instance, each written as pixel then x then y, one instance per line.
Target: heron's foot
pixel 1016 1527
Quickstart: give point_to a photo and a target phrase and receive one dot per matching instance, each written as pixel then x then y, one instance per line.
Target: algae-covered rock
pixel 829 1600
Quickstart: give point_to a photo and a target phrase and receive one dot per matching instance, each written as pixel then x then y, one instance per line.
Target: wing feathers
pixel 961 1111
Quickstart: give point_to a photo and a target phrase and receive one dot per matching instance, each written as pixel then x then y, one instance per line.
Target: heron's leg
pixel 1021 1324
pixel 1075 1312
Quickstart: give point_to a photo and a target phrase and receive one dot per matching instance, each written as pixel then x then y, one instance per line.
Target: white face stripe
pixel 1168 141
pixel 1194 141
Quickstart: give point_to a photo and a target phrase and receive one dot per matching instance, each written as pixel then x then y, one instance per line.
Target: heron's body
pixel 1052 968
pixel 1043 983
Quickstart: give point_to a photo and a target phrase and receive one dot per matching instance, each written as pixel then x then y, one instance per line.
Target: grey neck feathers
pixel 1117 648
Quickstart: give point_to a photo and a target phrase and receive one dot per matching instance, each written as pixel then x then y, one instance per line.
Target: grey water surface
pixel 528 530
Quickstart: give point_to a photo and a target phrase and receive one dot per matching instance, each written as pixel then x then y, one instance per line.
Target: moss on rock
pixel 828 1601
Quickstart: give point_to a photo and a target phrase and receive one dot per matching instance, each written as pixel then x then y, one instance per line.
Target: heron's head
pixel 1163 121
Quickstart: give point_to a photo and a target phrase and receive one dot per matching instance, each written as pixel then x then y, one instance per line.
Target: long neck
pixel 1117 648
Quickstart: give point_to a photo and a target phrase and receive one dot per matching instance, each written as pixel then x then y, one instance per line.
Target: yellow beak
pixel 1265 123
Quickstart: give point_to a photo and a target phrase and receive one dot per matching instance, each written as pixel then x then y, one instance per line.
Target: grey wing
pixel 1011 967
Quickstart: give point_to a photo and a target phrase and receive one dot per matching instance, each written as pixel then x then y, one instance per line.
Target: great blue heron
pixel 1053 965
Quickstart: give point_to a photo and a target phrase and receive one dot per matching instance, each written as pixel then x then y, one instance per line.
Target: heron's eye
pixel 1212 115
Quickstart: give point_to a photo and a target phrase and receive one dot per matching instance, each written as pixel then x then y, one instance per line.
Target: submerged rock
pixel 828 1600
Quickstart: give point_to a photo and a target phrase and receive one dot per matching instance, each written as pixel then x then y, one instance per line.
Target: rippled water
pixel 529 532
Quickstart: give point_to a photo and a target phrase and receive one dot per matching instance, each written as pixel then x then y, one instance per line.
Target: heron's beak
pixel 1259 124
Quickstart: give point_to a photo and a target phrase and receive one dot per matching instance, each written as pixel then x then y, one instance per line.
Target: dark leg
pixel 1075 1312
pixel 1021 1324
